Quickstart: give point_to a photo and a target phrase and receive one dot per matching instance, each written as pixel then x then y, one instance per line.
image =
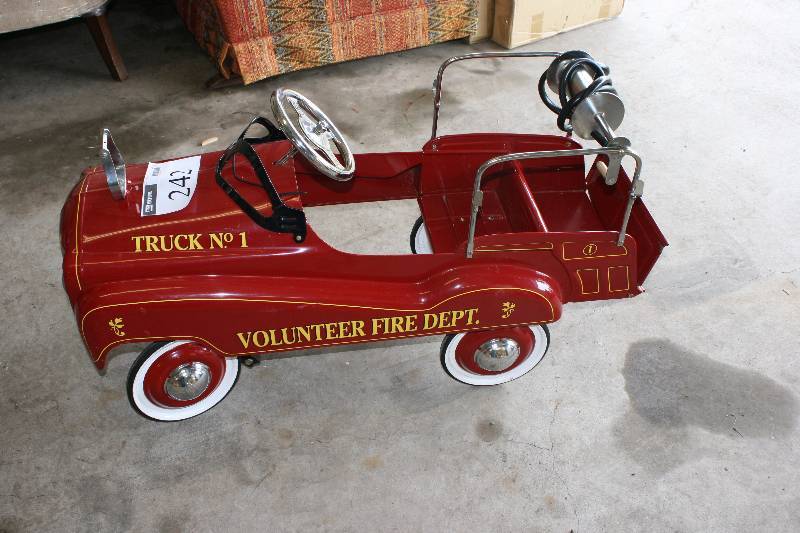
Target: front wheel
pixel 492 357
pixel 177 380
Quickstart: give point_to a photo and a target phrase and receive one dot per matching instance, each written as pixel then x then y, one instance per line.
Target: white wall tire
pixel 420 240
pixel 146 383
pixel 457 349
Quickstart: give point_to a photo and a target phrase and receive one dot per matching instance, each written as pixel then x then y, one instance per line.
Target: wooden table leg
pixel 101 32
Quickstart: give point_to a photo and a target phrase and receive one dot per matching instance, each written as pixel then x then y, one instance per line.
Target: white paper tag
pixel 169 186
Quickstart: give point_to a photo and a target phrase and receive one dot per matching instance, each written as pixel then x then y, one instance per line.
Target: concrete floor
pixel 673 411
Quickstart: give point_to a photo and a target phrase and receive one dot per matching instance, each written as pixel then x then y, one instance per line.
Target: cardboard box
pixel 518 22
pixel 485 21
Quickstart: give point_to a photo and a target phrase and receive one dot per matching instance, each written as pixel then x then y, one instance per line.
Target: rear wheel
pixel 491 357
pixel 420 241
pixel 177 380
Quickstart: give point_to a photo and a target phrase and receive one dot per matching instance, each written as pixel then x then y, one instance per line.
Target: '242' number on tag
pixel 179 178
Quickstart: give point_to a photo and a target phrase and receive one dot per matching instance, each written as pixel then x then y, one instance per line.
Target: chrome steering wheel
pixel 312 134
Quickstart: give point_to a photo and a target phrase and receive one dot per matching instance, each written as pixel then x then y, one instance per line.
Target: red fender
pixel 238 315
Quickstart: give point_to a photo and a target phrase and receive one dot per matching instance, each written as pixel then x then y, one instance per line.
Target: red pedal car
pixel 211 259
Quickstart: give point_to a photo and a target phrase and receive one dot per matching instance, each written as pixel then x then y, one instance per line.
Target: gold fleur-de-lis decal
pixel 508 308
pixel 116 326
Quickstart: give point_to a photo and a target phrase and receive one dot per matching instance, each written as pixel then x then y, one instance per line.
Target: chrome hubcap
pixel 496 355
pixel 188 381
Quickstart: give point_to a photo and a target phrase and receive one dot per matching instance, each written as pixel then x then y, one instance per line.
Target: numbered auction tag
pixel 169 186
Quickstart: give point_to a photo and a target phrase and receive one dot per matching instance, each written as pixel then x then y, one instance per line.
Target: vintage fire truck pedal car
pixel 211 259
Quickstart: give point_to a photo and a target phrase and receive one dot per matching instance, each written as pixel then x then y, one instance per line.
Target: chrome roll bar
pixel 618 152
pixel 437 84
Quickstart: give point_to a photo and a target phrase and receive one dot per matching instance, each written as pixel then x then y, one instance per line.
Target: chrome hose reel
pixel 588 104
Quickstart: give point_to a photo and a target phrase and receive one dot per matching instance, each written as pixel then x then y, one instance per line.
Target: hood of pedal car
pixel 100 233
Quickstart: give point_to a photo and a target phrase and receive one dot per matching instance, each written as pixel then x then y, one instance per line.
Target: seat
pixel 512 191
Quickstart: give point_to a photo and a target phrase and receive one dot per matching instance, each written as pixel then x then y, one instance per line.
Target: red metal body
pixel 545 236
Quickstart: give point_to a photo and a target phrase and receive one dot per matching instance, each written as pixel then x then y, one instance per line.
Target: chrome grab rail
pixel 621 152
pixel 437 84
